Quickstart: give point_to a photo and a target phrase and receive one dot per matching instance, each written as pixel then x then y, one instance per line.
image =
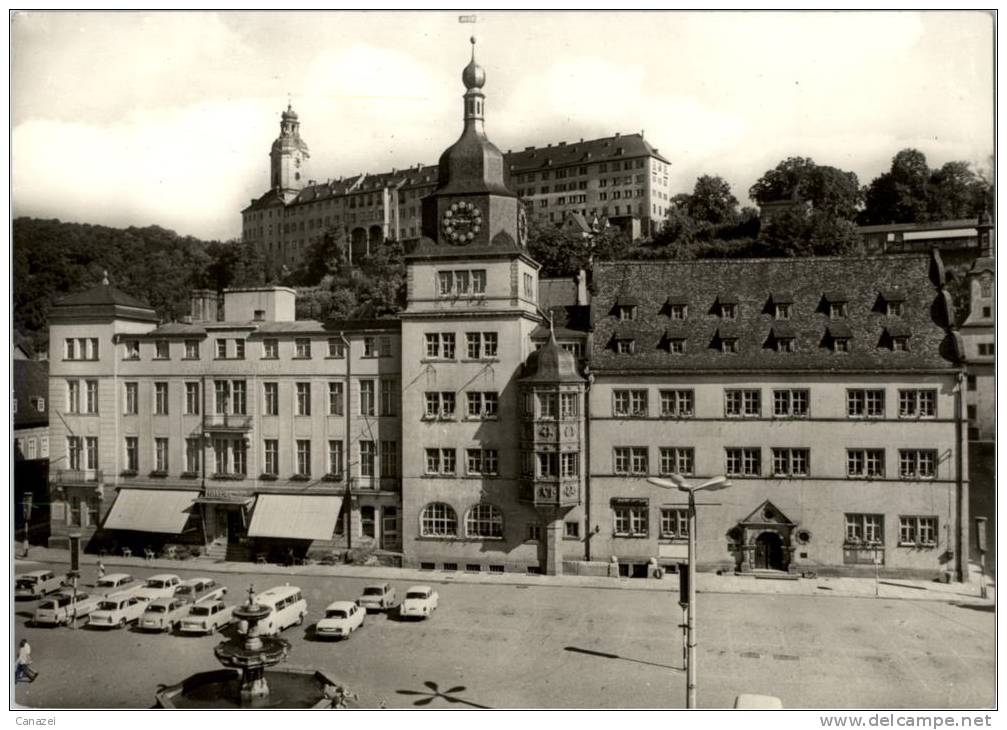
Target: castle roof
pixel 604 149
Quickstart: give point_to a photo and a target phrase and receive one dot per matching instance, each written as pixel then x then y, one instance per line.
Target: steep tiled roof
pixel 752 283
pixel 100 295
pixel 568 321
pixel 330 327
pixel 177 329
pixel 31 381
pixel 269 199
pixel 580 153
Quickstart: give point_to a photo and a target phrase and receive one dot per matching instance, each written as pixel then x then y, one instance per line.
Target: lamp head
pixel 719 482
pixel 675 482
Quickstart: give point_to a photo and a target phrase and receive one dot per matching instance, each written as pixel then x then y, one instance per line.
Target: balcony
pixel 230 422
pixel 550 492
pixel 69 477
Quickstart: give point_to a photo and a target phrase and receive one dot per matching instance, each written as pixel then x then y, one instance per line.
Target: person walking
pixel 22 668
pixel 101 569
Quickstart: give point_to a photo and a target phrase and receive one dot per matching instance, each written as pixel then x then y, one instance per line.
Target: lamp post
pixel 26 501
pixel 679 483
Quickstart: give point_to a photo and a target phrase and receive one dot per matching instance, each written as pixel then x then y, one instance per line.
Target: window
pixel 481 345
pixel 440 345
pixel 479 281
pixel 131 349
pixel 370 347
pixel 917 463
pixel 440 461
pixel 335 399
pixel 270 349
pixel 630 403
pixel 547 464
pixel 869 403
pixel 678 311
pixel 440 405
pixel 74 451
pixel 867 463
pixel 625 346
pixel 192 399
pixel 304 399
pixel 221 396
pixel 569 464
pixel 630 520
pixel 790 403
pixel 785 344
pixel 568 405
pixel 534 531
pixel 193 454
pixel 271 457
pixel 481 405
pixel 484 520
pixel 744 461
pixel 271 399
pixel 837 310
pixel 971 381
pixel 161 455
pixel 630 459
pixel 841 344
pixel 986 349
pixel 367 398
pixel 303 457
pixel 130 398
pixel 239 349
pixel 571 530
pixel 302 347
pixel 744 403
pixel 677 403
pixel 389 397
pixel 367 458
pixel 626 312
pixel 677 460
pixel 986 286
pixel 389 458
pixel 460 282
pixel 791 462
pixel 781 310
pixel 86 348
pixel 674 523
pixel 132 454
pixel 336 348
pixel 917 403
pixel 161 350
pixel 192 349
pixel 529 286
pixel 577 348
pixel 239 403
pixel 917 531
pixel 438 520
pixel 160 399
pixel 728 310
pixel 865 529
pixel 43 447
pixel 221 350
pixel 894 309
pixel 481 462
pixel 546 405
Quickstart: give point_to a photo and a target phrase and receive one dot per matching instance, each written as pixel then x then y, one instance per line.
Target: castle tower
pixel 288 157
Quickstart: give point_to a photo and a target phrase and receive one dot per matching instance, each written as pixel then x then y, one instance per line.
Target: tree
pixel 830 190
pixel 803 231
pixel 956 191
pixel 712 201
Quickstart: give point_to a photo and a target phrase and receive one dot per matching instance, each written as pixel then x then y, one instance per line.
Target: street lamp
pixel 679 483
pixel 26 501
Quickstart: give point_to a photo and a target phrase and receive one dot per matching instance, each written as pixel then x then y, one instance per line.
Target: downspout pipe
pixel 346 450
pixel 961 481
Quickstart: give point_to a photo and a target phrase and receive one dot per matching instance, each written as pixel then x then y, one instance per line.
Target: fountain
pixel 251 679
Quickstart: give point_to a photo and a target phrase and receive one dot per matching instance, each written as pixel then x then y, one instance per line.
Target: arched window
pixel 484 520
pixel 438 520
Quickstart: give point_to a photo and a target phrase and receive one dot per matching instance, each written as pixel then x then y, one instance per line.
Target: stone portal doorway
pixel 769 552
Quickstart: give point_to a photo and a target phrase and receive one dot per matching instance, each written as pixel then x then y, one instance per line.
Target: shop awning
pixel 150 510
pixel 303 517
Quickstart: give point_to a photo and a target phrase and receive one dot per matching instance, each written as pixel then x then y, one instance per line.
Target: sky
pixel 142 118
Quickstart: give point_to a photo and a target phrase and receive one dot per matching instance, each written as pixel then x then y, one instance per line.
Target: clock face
pixel 461 222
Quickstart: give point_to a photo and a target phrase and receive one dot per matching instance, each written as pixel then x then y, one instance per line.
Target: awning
pixel 150 510
pixel 239 501
pixel 304 517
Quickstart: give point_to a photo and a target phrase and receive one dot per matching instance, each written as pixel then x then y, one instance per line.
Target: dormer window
pixel 727 306
pixel 898 337
pixel 728 344
pixel 132 349
pixel 900 344
pixel 679 311
pixel 626 312
pixel 894 301
pixel 839 335
pixel 841 344
pixel 676 345
pixel 785 344
pixel 782 305
pixel 625 346
pixel 894 309
pixel 837 310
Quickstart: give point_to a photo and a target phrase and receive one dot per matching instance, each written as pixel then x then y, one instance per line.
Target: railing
pixel 229 422
pixel 78 476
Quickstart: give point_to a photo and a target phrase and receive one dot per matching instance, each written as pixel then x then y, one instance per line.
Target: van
pixel 196 590
pixel 286 608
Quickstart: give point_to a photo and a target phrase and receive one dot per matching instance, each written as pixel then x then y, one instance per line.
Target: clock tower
pixel 288 158
pixel 471 306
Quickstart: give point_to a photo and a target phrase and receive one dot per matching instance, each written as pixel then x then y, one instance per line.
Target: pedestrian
pixel 22 668
pixel 101 569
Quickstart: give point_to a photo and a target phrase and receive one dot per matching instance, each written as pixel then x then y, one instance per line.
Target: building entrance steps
pixel 903 589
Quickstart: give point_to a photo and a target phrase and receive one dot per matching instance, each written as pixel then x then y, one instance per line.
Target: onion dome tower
pixel 288 157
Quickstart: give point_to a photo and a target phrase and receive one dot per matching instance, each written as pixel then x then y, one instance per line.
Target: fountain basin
pixel 290 688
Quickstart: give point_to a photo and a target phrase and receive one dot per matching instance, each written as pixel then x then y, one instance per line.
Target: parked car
pixel 379 597
pixel 116 583
pixel 206 617
pixel 286 605
pixel 420 601
pixel 757 702
pixel 36 584
pixel 342 618
pixel 196 590
pixel 61 608
pixel 116 611
pixel 162 585
pixel 163 614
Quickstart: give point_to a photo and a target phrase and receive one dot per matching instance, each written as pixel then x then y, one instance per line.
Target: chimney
pixel 617 135
pixel 581 279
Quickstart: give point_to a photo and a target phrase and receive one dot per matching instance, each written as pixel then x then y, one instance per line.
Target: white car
pixel 342 618
pixel 206 617
pixel 162 585
pixel 116 611
pixel 379 597
pixel 420 602
pixel 197 590
pixel 116 583
pixel 162 614
pixel 61 608
pixel 36 584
